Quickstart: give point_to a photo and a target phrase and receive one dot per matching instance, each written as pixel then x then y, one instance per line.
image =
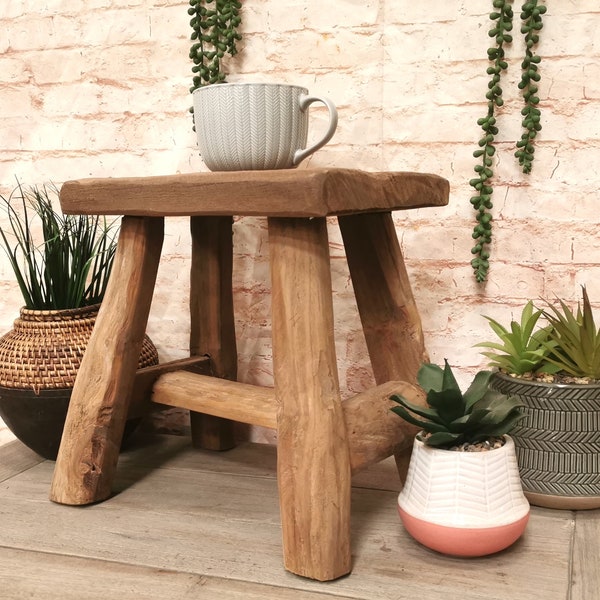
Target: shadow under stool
pixel 321 440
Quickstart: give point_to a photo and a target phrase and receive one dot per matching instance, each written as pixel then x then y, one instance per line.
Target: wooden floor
pixel 191 524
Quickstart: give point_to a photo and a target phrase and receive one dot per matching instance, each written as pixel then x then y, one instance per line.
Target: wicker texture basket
pixel 44 349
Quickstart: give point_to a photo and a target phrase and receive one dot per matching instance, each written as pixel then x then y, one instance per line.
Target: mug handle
pixel 305 101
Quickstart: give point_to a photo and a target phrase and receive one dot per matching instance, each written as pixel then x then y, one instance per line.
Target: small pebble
pixel 490 444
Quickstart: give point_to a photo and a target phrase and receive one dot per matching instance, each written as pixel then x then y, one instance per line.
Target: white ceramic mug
pixel 249 126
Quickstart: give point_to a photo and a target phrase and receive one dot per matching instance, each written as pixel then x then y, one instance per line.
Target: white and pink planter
pixel 464 503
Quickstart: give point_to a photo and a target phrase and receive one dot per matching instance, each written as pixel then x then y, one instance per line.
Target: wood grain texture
pixel 30 574
pixel 313 456
pixel 212 328
pixel 16 458
pixel 286 192
pixel 216 516
pixel 389 315
pixel 98 408
pixel 146 378
pixel 218 397
pixel 374 431
pixel 585 575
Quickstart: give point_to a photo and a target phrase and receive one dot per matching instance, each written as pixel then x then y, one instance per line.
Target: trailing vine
pixel 531 18
pixel 215 34
pixel 502 17
pixel 482 201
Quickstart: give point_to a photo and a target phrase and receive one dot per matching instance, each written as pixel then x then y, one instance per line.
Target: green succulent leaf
pixel 426 425
pixel 569 343
pixel 452 418
pixel 449 403
pixel 574 340
pixel 522 348
pixel 429 414
pixel 494 410
pixel 478 388
pixel 449 382
pixel 431 377
pixel 442 438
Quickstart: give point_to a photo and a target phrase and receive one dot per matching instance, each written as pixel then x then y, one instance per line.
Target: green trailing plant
pixel 522 348
pixel 567 346
pixel 453 418
pixel 214 35
pixel 502 17
pixel 531 18
pixel 68 264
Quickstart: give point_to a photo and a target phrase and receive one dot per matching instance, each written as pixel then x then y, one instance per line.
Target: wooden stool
pixel 321 440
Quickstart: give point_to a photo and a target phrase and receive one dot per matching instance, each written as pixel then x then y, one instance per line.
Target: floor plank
pixel 15 458
pixel 586 558
pixel 258 460
pixel 40 576
pixel 215 515
pixel 6 434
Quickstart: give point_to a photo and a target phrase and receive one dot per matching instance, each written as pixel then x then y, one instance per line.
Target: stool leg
pixel 212 330
pixel 89 450
pixel 313 466
pixel 389 315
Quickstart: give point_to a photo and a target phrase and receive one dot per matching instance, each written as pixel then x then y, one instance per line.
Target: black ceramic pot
pixel 38 420
pixel 39 360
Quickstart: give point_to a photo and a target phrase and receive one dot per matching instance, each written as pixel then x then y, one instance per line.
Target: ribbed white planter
pixel 464 503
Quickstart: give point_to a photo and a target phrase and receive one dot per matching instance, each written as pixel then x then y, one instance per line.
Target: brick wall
pixel 102 91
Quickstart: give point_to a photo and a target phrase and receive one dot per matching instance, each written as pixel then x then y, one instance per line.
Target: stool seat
pixel 283 193
pixel 321 440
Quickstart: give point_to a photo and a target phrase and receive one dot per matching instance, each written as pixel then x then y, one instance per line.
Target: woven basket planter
pixel 557 442
pixel 39 360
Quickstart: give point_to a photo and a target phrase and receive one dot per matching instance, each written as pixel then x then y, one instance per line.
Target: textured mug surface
pixel 250 126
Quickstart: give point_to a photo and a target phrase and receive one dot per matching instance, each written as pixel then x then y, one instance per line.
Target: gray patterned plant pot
pixel 557 442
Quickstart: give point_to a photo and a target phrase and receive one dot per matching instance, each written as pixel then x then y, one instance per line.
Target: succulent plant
pixel 569 344
pixel 453 418
pixel 523 349
pixel 574 339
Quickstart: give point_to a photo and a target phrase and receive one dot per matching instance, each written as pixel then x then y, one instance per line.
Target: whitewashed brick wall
pixel 101 89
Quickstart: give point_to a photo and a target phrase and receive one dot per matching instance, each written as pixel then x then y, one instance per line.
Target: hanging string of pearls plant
pixel 215 32
pixel 531 25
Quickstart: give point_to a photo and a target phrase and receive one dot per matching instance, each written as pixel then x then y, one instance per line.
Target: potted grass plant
pixel 61 264
pixel 462 494
pixel 549 360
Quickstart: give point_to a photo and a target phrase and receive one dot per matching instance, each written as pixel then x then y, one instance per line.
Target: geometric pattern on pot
pixel 558 440
pixel 464 489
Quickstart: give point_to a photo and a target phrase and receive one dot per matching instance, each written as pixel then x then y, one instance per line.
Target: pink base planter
pixel 464 503
pixel 460 541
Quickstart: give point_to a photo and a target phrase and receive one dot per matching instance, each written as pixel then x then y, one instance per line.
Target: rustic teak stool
pixel 321 440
